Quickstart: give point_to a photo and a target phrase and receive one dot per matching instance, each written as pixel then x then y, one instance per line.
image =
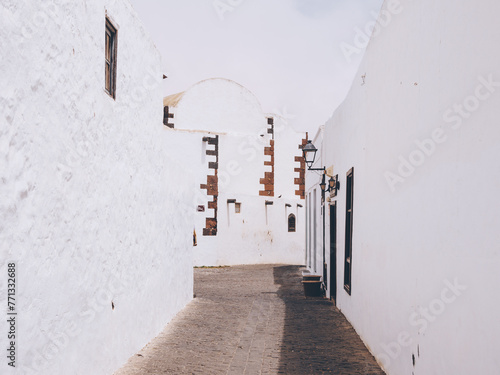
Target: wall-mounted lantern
pixel 309 152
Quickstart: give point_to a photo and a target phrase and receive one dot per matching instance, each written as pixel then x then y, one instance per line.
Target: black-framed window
pixel 110 59
pixel 348 229
pixel 291 223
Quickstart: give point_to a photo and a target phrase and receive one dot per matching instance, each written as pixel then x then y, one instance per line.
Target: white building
pixel 418 141
pixel 90 216
pixel 314 211
pixel 250 194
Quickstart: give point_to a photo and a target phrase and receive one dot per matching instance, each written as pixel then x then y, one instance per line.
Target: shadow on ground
pixel 317 338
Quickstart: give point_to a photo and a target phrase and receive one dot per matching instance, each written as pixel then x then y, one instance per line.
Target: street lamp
pixel 322 184
pixel 333 184
pixel 309 152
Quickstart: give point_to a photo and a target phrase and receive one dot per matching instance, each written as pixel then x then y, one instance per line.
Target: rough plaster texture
pixel 89 208
pixel 223 107
pixel 439 222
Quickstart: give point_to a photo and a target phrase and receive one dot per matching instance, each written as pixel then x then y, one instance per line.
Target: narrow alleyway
pixel 254 320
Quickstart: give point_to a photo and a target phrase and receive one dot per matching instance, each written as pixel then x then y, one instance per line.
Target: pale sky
pixel 287 52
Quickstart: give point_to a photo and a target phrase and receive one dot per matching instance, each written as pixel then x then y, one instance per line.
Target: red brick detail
pixel 209 232
pixel 212 186
pixel 211 223
pixel 268 180
pixel 300 181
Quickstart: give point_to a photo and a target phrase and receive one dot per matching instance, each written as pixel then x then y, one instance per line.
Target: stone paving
pixel 254 320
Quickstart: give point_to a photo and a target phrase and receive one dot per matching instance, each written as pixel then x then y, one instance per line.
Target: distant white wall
pixel 419 126
pixel 259 233
pixel 231 108
pixel 92 206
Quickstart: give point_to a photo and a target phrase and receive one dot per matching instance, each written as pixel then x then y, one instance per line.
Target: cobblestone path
pixel 254 320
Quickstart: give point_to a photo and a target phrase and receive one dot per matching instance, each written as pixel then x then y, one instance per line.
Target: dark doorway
pixel 333 250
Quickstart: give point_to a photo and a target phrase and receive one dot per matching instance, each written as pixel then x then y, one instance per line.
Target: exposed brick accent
pixel 268 180
pixel 300 181
pixel 270 130
pixel 212 204
pixel 166 116
pixel 212 186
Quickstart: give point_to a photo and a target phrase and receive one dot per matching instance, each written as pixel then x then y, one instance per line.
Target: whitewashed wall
pixel 419 126
pixel 92 200
pixel 314 244
pixel 225 108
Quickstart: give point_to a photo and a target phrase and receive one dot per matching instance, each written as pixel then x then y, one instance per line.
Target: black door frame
pixel 333 250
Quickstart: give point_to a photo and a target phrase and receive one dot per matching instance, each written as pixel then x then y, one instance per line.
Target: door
pixel 333 250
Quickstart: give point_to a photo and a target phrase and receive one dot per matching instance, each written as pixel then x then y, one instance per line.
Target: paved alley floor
pixel 254 320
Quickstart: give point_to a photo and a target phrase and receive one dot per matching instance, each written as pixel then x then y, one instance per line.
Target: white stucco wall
pixel 420 130
pixel 225 108
pixel 233 108
pixel 314 245
pixel 91 195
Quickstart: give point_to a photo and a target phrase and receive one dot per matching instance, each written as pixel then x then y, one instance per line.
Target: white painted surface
pixel 231 108
pixel 91 196
pixel 314 248
pixel 225 108
pixel 440 222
